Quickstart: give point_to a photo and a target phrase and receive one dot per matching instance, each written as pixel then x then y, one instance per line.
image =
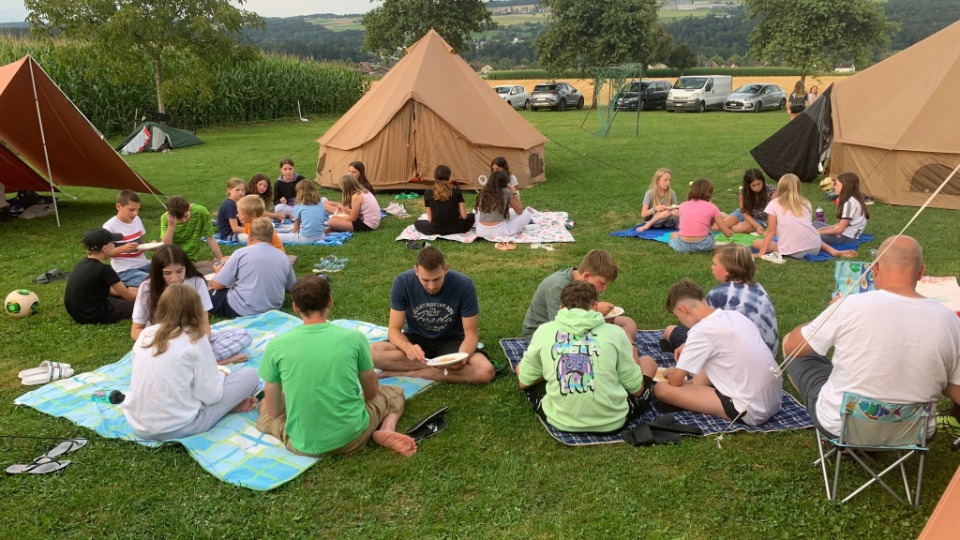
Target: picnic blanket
pixel 663 236
pixel 329 239
pixel 547 227
pixel 234 450
pixel 792 414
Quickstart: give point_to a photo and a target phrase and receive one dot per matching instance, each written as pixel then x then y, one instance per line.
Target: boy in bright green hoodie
pixel 579 373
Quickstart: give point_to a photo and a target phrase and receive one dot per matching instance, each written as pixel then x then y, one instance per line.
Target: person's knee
pixel 484 372
pixel 247 378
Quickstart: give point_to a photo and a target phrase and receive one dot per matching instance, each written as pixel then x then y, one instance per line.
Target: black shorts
pixel 797 109
pixel 220 304
pixel 433 348
pixel 729 409
pixel 359 225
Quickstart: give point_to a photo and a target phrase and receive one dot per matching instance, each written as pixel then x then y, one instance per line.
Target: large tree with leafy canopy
pixel 587 34
pixel 815 35
pixel 399 23
pixel 183 41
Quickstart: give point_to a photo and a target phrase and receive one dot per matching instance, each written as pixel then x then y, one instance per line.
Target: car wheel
pixel 758 106
pixel 783 104
pixel 580 103
pixel 562 104
pixel 527 105
pixel 701 106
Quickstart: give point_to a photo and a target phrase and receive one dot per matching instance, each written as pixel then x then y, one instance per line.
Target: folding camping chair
pixel 871 425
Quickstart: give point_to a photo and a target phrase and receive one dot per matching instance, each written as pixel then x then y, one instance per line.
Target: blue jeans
pixel 739 215
pixel 706 244
pixel 135 276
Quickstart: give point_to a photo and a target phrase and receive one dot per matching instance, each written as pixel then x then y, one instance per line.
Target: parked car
pixel 643 95
pixel 699 92
pixel 555 95
pixel 755 97
pixel 516 96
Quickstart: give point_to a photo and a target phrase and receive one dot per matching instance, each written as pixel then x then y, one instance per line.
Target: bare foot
pixel 398 442
pixel 235 359
pixel 246 405
pixel 642 228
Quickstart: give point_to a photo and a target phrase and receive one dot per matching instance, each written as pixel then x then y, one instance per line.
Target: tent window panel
pixel 929 177
pixel 536 165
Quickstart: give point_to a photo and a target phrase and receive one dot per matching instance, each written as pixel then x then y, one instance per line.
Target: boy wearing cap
pixel 95 294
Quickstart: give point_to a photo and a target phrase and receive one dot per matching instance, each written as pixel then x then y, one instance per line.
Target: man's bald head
pixel 900 262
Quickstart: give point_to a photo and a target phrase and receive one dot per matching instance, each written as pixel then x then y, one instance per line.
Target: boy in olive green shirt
pixel 311 401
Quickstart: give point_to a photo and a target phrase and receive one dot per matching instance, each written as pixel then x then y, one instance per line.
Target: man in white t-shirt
pixel 128 261
pixel 891 344
pixel 734 373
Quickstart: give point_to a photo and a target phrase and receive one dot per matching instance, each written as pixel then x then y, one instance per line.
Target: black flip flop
pixel 429 426
pixel 50 276
pixel 642 435
pixel 667 422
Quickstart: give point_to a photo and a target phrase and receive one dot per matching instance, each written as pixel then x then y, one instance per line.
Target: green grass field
pixel 494 472
pixel 338 24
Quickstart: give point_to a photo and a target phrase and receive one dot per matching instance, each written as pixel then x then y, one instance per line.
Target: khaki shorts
pixel 389 400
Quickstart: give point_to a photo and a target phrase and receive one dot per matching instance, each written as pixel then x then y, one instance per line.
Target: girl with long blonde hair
pixel 789 218
pixel 176 387
pixel 358 211
pixel 660 208
pixel 309 216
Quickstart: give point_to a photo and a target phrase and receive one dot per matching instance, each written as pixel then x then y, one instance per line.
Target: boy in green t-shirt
pixel 186 225
pixel 311 401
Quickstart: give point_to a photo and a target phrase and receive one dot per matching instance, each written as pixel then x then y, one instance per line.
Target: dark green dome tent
pixel 154 137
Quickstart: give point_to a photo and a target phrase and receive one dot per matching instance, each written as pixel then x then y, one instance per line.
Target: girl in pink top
pixel 359 210
pixel 790 220
pixel 697 215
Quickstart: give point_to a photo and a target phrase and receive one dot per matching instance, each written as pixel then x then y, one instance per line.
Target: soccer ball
pixel 21 303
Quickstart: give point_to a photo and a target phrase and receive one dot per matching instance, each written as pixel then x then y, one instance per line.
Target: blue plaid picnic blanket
pixel 329 239
pixel 234 450
pixel 792 414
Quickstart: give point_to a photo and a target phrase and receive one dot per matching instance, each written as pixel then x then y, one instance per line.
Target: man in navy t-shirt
pixel 433 312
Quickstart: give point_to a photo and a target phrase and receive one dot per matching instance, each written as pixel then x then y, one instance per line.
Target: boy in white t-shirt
pixel 734 373
pixel 128 261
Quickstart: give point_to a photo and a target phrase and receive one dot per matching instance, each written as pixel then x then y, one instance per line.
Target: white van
pixel 699 92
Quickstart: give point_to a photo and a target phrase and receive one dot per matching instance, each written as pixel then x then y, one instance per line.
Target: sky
pixel 13 10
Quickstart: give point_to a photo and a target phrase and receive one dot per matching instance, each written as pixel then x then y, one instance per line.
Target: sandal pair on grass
pixel 48 463
pixel 47 372
pixel 330 264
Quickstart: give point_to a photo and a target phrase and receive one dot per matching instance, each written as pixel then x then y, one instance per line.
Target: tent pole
pixel 43 139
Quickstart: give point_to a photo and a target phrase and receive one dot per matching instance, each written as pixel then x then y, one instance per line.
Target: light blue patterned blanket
pixel 233 450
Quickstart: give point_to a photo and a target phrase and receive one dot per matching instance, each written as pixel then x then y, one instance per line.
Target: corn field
pixel 267 89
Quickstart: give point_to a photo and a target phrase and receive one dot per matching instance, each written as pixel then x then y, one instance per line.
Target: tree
pixel 397 24
pixel 181 40
pixel 682 58
pixel 815 35
pixel 587 33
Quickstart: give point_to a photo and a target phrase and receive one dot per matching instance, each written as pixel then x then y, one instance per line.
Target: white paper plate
pixel 615 312
pixel 447 359
pixel 147 246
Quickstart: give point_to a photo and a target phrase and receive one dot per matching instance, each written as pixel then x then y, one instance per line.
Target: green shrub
pixel 267 89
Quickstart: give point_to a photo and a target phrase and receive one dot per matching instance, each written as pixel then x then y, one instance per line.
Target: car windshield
pixel 689 83
pixel 753 89
pixel 502 89
pixel 544 88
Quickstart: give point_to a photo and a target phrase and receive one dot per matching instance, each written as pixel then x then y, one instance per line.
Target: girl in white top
pixel 176 387
pixel 359 210
pixel 171 266
pixel 851 211
pixel 789 218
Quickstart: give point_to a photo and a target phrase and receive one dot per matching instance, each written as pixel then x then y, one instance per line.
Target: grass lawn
pixel 339 24
pixel 494 473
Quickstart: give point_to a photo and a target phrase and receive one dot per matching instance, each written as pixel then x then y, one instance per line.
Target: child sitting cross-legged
pixel 697 216
pixel 733 369
pixel 579 373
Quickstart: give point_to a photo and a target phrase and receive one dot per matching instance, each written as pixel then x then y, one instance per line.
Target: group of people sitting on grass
pixel 581 373
pixel 780 214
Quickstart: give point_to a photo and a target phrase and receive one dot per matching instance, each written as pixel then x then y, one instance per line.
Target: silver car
pixel 756 97
pixel 516 96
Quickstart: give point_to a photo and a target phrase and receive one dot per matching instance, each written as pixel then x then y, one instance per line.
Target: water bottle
pixel 114 397
pixel 819 214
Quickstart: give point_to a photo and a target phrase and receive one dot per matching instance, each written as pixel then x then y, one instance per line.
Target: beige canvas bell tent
pixel 895 124
pixel 430 109
pixel 44 129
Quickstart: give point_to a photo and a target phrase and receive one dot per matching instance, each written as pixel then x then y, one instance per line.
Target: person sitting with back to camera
pixel 734 373
pixel 493 204
pixel 311 400
pixel 309 216
pixel 579 373
pixel 255 278
pixel 358 210
pixel 445 208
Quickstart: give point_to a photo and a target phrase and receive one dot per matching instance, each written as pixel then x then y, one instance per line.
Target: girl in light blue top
pixel 309 216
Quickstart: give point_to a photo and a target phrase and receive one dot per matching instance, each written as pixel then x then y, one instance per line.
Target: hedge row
pixel 267 89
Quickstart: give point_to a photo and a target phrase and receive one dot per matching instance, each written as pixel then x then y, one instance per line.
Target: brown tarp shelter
pixel 896 123
pixel 46 130
pixel 431 108
pixel 16 175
